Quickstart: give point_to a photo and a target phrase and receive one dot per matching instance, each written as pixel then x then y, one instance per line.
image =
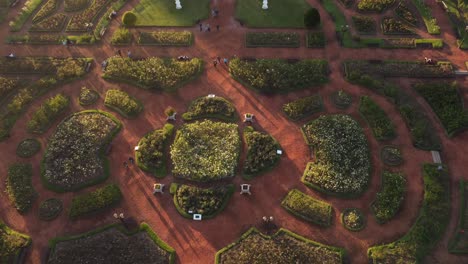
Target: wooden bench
pixel 102 32
pixel 88 66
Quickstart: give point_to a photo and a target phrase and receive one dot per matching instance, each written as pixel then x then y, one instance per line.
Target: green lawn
pixel 164 13
pixel 280 13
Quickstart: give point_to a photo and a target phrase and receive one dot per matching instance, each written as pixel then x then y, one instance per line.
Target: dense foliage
pixel 152 73
pixel 78 21
pixel 205 150
pixel 341 99
pixel 303 107
pixel 129 18
pixel 166 38
pixel 50 209
pixel 60 68
pixel 391 156
pixel 210 107
pixel 28 147
pixel 342 164
pixel 72 159
pixel 374 5
pixel 459 242
pixel 121 36
pixel 311 18
pixel 277 75
pixel 393 68
pixel 364 24
pixel 47 113
pixel 96 200
pixel 353 219
pixel 261 151
pixel 405 13
pixel 19 186
pixel 308 208
pixel 445 100
pixel 316 39
pixel 389 198
pixel 7 85
pixel 11 244
pixel 75 5
pixel 283 247
pixel 205 201
pixel 53 23
pixel 382 127
pixel 46 10
pixel 151 155
pixel 272 39
pixel 392 26
pixel 429 226
pixel 87 96
pixel 123 103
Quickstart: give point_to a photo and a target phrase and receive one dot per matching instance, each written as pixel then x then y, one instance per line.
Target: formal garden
pixel 246 131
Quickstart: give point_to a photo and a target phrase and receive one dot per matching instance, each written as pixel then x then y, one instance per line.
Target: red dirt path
pixel 197 242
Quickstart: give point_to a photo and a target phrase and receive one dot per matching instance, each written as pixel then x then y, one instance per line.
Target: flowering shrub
pixel 342 165
pixel 375 5
pixel 28 147
pixel 393 26
pixel 152 73
pixel 215 107
pixel 261 152
pixel 282 247
pixel 205 151
pixel 55 22
pixel 389 198
pixel 381 125
pixel 277 75
pixel 26 11
pixel 96 200
pixel 166 38
pixel 429 226
pixel 303 107
pixel 353 219
pixel 46 10
pixel 72 159
pixel 151 155
pixel 308 208
pixel 44 65
pixel 272 39
pixel 87 96
pixel 47 113
pixel 123 103
pixel 7 86
pixel 19 186
pixel 205 201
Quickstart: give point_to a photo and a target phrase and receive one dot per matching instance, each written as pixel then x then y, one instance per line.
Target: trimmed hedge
pixel 364 24
pixel 391 156
pixel 316 39
pixel 19 186
pixel 382 127
pixel 166 38
pixel 282 247
pixel 261 152
pixel 374 5
pixel 94 201
pixel 429 226
pixel 48 113
pixel 151 155
pixel 123 103
pixel 12 244
pixel 211 107
pixel 308 208
pixel 277 75
pixel 272 40
pixel 341 99
pixel 353 219
pixel 50 209
pixel 28 147
pixel 458 243
pixel 429 20
pixel 121 36
pixel 208 202
pixel 394 68
pixel 446 102
pixel 303 107
pixel 87 96
pixel 392 26
pixel 390 197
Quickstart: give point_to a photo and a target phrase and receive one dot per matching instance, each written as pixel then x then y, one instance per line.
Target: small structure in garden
pixel 158 188
pixel 170 113
pixel 178 5
pixel 248 117
pixel 265 4
pixel 197 217
pixel 211 96
pixel 245 188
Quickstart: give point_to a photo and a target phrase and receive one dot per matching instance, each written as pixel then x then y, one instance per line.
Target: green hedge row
pixel 272 39
pixel 459 242
pixel 123 103
pixel 308 208
pixel 12 243
pixel 47 113
pixel 303 107
pixel 211 107
pixel 94 201
pixel 382 127
pixel 166 38
pixel 388 200
pixel 19 186
pixel 261 152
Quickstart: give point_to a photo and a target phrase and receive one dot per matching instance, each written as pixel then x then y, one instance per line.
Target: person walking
pixel 209 28
pixel 226 61
pixel 201 27
pixel 131 160
pixel 119 53
pixel 125 165
pixel 129 54
pixel 217 27
pixel 215 62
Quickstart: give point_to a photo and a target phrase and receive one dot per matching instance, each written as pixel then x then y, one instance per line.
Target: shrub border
pixel 19 253
pixel 378 220
pixel 219 117
pixel 288 45
pixel 101 156
pixel 55 215
pixel 304 217
pixel 461 219
pixel 121 112
pixel 387 138
pixel 91 103
pixel 305 114
pixel 188 44
pixel 347 210
pixel 333 97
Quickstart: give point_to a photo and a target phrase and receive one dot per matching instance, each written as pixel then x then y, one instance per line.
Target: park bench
pixel 88 66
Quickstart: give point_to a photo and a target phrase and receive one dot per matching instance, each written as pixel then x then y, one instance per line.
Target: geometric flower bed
pixel 391 156
pixel 353 219
pixel 459 242
pixel 50 209
pixel 279 75
pixel 19 186
pixel 388 200
pixel 282 247
pixel 97 200
pixel 308 208
pixel 205 201
pixel 394 68
pixel 272 39
pixel 342 164
pixel 381 125
pixel 87 96
pixel 74 156
pixel 261 152
pixel 341 99
pixel 210 107
pixel 428 228
pixel 151 154
pixel 123 103
pixel 152 73
pixel 304 107
pixel 166 38
pixel 205 151
pixel 111 244
pixel 47 113
pixel 28 147
pixel 11 244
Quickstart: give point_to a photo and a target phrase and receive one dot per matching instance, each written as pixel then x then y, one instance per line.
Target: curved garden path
pixel 197 242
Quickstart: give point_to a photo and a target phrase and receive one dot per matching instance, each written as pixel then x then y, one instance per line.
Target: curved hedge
pixel 50 209
pixel 210 107
pixel 123 103
pixel 353 219
pixel 19 186
pixel 308 208
pixel 303 107
pixel 151 154
pixel 94 201
pixel 261 152
pixel 382 127
pixel 389 198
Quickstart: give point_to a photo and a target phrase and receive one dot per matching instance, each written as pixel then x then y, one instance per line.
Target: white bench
pixel 245 188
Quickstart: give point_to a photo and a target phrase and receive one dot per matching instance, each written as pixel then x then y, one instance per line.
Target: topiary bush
pixel 353 219
pixel 87 96
pixel 50 209
pixel 28 147
pixel 129 18
pixel 391 155
pixel 312 18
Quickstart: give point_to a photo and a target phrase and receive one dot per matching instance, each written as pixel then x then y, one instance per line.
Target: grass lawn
pixel 280 13
pixel 164 12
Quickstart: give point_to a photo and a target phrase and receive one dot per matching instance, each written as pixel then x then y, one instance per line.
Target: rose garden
pixel 238 131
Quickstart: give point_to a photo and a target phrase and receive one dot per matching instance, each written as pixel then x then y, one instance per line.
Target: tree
pixel 129 18
pixel 312 18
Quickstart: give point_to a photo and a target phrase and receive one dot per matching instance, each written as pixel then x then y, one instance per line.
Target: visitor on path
pixel 129 54
pixel 215 62
pixel 104 65
pixel 125 165
pixel 201 27
pixel 217 27
pixel 131 160
pixel 113 14
pixel 119 52
pixel 11 55
pixel 219 59
pixel 207 27
pixel 225 61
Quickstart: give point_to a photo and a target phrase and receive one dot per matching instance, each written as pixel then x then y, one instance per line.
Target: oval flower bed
pixel 87 96
pixel 303 107
pixel 391 156
pixel 151 155
pixel 342 166
pixel 210 107
pixel 390 197
pixel 353 219
pixel 28 147
pixel 50 209
pixel 341 99
pixel 205 201
pixel 73 159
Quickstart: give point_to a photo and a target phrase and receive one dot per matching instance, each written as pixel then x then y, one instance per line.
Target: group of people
pixel 131 161
pixel 217 61
pixel 207 27
pixel 429 60
pixel 119 53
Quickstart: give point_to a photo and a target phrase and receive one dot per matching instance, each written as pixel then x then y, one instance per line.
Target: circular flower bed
pixel 87 96
pixel 28 147
pixel 391 156
pixel 50 209
pixel 353 219
pixel 341 99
